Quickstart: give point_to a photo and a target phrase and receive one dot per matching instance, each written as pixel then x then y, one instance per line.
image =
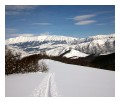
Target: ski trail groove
pixel 47 87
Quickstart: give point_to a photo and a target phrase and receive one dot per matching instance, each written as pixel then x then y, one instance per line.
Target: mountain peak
pixel 40 38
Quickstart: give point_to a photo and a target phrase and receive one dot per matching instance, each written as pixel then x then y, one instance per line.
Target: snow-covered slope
pixel 99 37
pixel 97 46
pixel 67 81
pixel 55 51
pixel 75 54
pixel 52 44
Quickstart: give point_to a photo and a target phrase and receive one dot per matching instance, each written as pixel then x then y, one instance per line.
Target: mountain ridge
pixel 55 38
pixel 56 45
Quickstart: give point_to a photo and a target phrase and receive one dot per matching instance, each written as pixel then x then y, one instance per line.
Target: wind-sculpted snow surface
pixel 47 87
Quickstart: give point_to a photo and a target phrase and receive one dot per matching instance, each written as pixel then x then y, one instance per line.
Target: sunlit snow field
pixel 63 80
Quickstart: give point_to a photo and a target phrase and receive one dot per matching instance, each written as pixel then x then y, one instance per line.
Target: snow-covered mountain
pixel 75 54
pixel 42 38
pixel 56 45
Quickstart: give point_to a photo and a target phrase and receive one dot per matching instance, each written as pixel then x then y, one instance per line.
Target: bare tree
pixel 43 67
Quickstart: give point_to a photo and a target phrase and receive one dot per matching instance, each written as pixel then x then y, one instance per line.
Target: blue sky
pixel 76 21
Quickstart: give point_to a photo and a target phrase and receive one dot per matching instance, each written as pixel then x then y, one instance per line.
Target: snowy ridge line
pixel 47 88
pixel 21 39
pixel 41 38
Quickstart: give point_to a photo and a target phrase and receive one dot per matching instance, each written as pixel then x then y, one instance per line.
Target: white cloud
pixel 85 22
pixel 43 24
pixel 10 30
pixel 19 7
pixel 46 33
pixel 103 12
pixel 17 35
pixel 84 17
pixel 12 13
pixel 100 24
pixel 23 35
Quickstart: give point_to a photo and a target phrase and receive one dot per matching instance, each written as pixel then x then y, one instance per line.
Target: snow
pixel 101 37
pixel 58 50
pixel 22 84
pixel 47 87
pixel 63 80
pixel 55 52
pixel 16 50
pixel 54 44
pixel 75 53
pixel 81 81
pixel 56 38
pixel 40 38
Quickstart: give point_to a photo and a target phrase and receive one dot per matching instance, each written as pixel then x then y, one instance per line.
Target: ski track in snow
pixel 47 87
